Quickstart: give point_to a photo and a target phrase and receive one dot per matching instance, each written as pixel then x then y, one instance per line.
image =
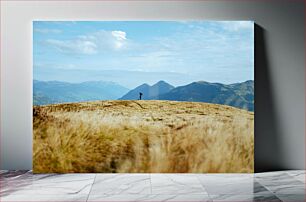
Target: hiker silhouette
pixel 140 94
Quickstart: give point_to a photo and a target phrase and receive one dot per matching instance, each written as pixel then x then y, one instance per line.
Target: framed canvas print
pixel 143 96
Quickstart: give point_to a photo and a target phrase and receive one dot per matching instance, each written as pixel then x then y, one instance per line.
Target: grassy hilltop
pixel 142 136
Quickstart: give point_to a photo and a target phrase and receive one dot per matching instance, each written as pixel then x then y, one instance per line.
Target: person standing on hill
pixel 140 95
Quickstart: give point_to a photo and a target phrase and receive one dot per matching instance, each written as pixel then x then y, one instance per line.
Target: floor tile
pixel 275 175
pixel 298 175
pixel 13 176
pixel 220 184
pixel 121 184
pixel 3 171
pixel 282 183
pixel 287 186
pixel 246 198
pixel 43 198
pixel 224 178
pixel 183 198
pixel 175 184
pixel 151 197
pixel 48 184
pixel 13 181
pixel 291 197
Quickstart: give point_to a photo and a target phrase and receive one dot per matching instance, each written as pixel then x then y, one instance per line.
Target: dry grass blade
pixel 142 136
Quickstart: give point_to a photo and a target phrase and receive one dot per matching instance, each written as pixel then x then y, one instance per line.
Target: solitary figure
pixel 140 94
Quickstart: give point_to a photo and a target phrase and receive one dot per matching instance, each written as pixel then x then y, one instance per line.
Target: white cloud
pixel 47 31
pixel 109 40
pixel 119 35
pixel 237 25
pixel 76 46
pixel 120 38
pixel 55 65
pixel 209 50
pixel 153 59
pixel 92 43
pixel 198 48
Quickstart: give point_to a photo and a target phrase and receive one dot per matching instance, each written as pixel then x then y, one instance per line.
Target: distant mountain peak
pixel 239 95
pixel 200 82
pixel 145 85
pixel 148 92
pixel 50 92
pixel 161 82
pixel 249 81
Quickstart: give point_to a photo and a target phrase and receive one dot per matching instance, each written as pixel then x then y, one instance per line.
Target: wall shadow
pixel 267 140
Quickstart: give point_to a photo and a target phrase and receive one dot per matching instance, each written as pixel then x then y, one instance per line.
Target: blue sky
pixel 134 52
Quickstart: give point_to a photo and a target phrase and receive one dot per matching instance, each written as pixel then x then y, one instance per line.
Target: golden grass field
pixel 142 136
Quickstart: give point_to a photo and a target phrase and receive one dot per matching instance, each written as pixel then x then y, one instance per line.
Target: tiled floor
pixel 273 186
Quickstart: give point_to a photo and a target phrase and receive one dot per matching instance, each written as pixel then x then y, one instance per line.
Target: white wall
pixel 280 62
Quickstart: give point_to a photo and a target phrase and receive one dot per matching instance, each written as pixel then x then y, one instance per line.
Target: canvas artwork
pixel 143 96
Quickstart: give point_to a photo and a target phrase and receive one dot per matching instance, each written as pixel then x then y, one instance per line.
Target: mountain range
pixel 149 92
pixel 50 92
pixel 240 95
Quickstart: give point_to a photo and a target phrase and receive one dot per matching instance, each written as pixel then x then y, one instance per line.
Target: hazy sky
pixel 134 52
